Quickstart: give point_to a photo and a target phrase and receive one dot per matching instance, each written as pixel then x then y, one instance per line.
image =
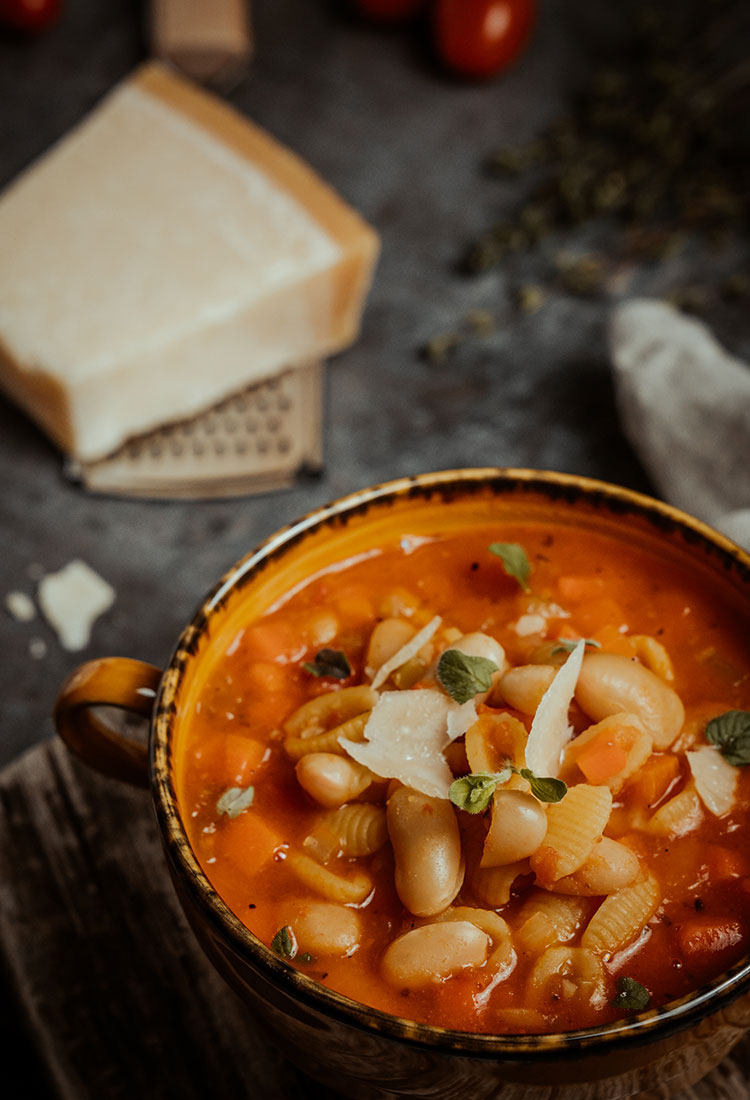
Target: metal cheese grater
pixel 253 442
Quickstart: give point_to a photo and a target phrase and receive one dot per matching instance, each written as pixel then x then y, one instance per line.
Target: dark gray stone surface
pixel 404 145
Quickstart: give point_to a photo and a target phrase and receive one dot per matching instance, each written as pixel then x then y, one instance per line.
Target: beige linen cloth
pixel 684 404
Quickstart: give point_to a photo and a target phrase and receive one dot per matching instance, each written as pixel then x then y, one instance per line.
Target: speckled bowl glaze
pixel 358 1051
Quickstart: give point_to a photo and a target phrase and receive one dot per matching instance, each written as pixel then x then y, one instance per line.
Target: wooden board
pixel 117 995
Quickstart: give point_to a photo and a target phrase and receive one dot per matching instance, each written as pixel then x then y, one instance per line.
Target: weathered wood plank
pixel 116 992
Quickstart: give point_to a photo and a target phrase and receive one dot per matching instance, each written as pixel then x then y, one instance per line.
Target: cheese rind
pixel 163 255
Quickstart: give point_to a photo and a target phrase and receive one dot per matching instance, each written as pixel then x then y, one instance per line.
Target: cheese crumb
pixel 71 600
pixel 20 606
pixel 530 624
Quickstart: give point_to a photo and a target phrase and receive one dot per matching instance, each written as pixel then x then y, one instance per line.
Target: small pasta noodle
pixel 493 739
pixel 324 711
pixel 353 831
pixel 621 917
pixel 653 655
pixel 573 827
pixel 571 975
pixel 503 956
pixel 679 816
pixel 547 919
pixel 352 730
pixel 492 886
pixel 350 889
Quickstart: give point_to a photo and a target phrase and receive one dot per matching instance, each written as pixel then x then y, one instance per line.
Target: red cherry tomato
pixel 30 15
pixel 389 11
pixel 480 37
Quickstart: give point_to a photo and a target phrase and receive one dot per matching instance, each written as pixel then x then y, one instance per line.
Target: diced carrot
pixel 602 758
pixel 243 757
pixel 651 783
pixel 708 943
pixel 606 752
pixel 595 614
pixel 247 842
pixel 273 640
pixel 724 864
pixel 575 588
pixel 265 678
pixel 612 640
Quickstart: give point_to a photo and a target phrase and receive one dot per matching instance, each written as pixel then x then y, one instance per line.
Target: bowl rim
pixel 640 1028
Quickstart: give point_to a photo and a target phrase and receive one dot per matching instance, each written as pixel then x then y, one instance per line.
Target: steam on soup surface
pixel 596 861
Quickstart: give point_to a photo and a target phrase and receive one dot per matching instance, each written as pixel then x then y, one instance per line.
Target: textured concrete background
pixel 404 145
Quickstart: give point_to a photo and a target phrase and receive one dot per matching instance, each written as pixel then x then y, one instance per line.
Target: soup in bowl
pixel 451 777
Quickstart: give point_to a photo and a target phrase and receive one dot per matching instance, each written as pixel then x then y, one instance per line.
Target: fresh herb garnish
pixel 462 676
pixel 235 800
pixel 567 645
pixel 329 662
pixel 474 792
pixel 545 787
pixel 306 958
pixel 730 733
pixel 284 944
pixel 515 561
pixel 631 996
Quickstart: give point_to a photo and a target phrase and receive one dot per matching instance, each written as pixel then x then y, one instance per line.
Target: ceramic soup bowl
pixel 360 1051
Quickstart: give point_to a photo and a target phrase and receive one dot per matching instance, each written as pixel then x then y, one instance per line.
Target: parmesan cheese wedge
pixel 550 729
pixel 405 736
pixel 163 255
pixel 715 779
pixel 407 651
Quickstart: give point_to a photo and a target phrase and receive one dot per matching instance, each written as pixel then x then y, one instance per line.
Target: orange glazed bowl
pixel 360 1051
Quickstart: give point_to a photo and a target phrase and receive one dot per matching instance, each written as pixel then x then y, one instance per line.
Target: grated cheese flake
pixel 715 779
pixel 460 717
pixel 407 651
pixel 404 739
pixel 71 600
pixel 550 730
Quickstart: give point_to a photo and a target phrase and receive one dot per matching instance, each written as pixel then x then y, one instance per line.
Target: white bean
pixel 386 639
pixel 434 951
pixel 427 850
pixel 518 827
pixel 330 779
pixel 524 686
pixel 609 683
pixel 323 928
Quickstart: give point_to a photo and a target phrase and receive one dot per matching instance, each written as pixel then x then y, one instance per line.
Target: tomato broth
pixel 595 586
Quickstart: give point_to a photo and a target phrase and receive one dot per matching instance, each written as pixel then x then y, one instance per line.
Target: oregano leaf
pixel 462 676
pixel 515 561
pixel 730 732
pixel 329 662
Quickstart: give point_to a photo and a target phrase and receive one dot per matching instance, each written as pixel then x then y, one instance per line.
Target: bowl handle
pixel 110 682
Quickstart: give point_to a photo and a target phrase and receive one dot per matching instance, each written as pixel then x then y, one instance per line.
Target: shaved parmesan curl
pixel 550 730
